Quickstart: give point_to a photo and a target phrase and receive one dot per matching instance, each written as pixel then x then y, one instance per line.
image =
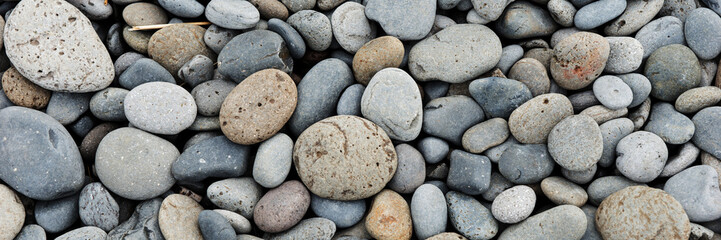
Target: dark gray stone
pixel 142 225
pixel 525 20
pixel 144 71
pixel 125 61
pixel 114 41
pixel 217 37
pixel 98 208
pixel 68 107
pixel 436 89
pixel 469 173
pixel 350 101
pixel 253 51
pixel 449 117
pixel 499 96
pixel 196 71
pixel 343 213
pixel 215 157
pixel 672 126
pixel 292 38
pixel 214 226
pixel 57 215
pixel 672 70
pixel 526 163
pixel 433 149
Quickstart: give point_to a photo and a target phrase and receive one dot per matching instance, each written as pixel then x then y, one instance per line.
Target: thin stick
pixel 159 26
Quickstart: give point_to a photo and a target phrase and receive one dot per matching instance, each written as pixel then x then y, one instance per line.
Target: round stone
pixel 470 217
pixel 98 208
pixel 456 54
pixel 107 105
pixel 641 156
pixel 142 13
pixel 625 56
pixel 509 55
pixel 273 160
pixel 209 96
pixel 236 194
pixel 485 135
pixel 428 211
pixel 579 59
pixel 393 101
pixel 433 149
pixel 404 19
pixel 176 44
pixel 232 14
pixel 561 222
pixel 217 37
pixel 612 92
pixel 258 107
pixel 350 26
pixel 375 55
pixel 270 9
pixel 282 207
pixel 68 107
pixel 695 99
pixel 343 213
pixel 64 55
pixel 135 164
pixel 696 189
pixel 178 217
pixel 160 107
pixel 562 12
pixel 259 50
pixel 22 92
pixel 57 215
pixel 197 70
pixel 672 70
pixel 31 232
pixel 315 28
pixel 514 204
pixel 344 158
pixel 389 217
pixel 642 212
pixel 701 28
pixel 673 127
pixel 561 191
pixel 533 121
pixel 12 212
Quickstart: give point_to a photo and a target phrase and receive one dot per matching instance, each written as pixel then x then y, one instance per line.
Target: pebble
pixel 637 14
pixel 311 228
pixel 580 177
pixel 561 191
pixel 640 87
pixel 602 114
pixel 509 55
pixel 404 19
pixel 178 217
pixel 236 194
pixel 237 222
pixel 447 236
pixel 314 27
pixel 292 38
pixel 641 156
pixel 579 59
pixel 533 74
pixel 12 212
pixel 603 187
pixel 137 40
pixel 296 6
pixel 612 132
pixel 273 161
pixel 31 232
pixel 561 222
pixel 526 163
pixel 499 96
pixel 142 13
pixel 87 233
pixel 215 157
pixel 375 55
pixel 368 157
pixel 428 210
pixel 575 143
pixel 282 207
pixel 597 13
pixel 449 117
pixel 686 156
pixel 93 9
pixel 701 27
pixel 497 185
pixel 485 135
pixel 620 215
pixel 22 92
pixel 677 8
pixel 271 9
pixel 456 54
pixel 672 70
pixel 41 159
pixel 217 37
pixel 469 173
pixel 411 170
pixel 562 34
pixel 514 204
pixel 213 225
pixel 175 45
pixel 68 107
pixel 144 71
pixel 183 8
pixel 318 93
pixel 696 99
pixel 342 213
pixel 209 96
pixel 393 101
pixel 673 127
pixel 525 20
pixel 660 32
pixel 433 149
pixel 351 28
pixel 349 102
pixel 626 55
pixel 706 135
pixel 143 224
pixel 232 14
pixel 697 190
pixel 57 215
pixel 612 92
pixel 98 208
pixel 533 120
pixel 67 57
pixel 259 49
pixel 197 70
pixel 562 11
pixel 389 217
pixel 470 217
pixel 127 166
pixel 583 100
pixel 245 116
pixel 160 107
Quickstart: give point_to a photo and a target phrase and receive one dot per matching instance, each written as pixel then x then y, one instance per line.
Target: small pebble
pixel 672 126
pixel 561 192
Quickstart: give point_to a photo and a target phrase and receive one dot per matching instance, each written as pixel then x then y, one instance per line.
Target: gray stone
pixel 526 163
pixel 562 11
pixel 580 177
pixel 82 126
pixel 198 70
pixel 343 213
pixel 215 157
pixel 660 32
pixel 236 194
pixel 135 164
pixel 124 61
pixel 561 34
pixel 114 41
pixel 597 13
pixel 707 136
pixel 640 115
pixel 576 143
pixel 65 55
pixel 350 26
pixel 433 149
pixel 640 87
pixel 183 8
pixel 514 204
pixel 497 186
pixel 641 156
pixel 216 37
pixel 499 96
pixel 428 211
pixel 456 54
pixel 509 55
pixel 485 135
pixel 448 4
pixel 214 226
pixel 411 170
pixel 237 222
pixel 93 9
pixel 449 117
pixel 591 232
pixel 232 14
pixel 469 173
pixel 143 224
pixel 273 161
pixel 697 190
pixel 209 96
pixel 561 222
pixel 561 191
pixel 68 107
pixel 612 92
pixel 489 10
pixel 108 104
pixel 404 19
pixel 534 120
pixel 672 126
pixel 637 14
pixel 701 28
pixel 40 158
pixel 686 156
pixel 315 28
pixel 612 132
pixel 525 20
pixel 312 228
pixel 87 233
pixel 393 101
pixel 4 101
pixel 160 107
pixel 350 101
pixel 137 40
pixel 98 208
pixel 253 51
pixel 144 70
pixel 672 70
pixel 292 38
pixel 298 5
pixel 57 215
pixel 677 8
pixel 203 123
pixel 470 217
pixel 318 93
pixel 31 232
pixel 626 55
pixel 143 13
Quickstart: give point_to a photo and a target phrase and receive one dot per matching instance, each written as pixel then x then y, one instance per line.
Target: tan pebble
pixel 532 121
pixel 696 99
pixel 143 13
pixel 271 9
pixel 175 45
pixel 178 218
pixel 579 59
pixel 12 213
pixel 375 55
pixel 389 217
pixel 561 191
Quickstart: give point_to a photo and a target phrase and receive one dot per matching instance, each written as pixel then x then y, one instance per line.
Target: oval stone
pixel 375 55
pixel 273 160
pixel 707 136
pixel 215 157
pixel 696 189
pixel 253 51
pixel 576 143
pixel 485 135
pixel 22 92
pixel 389 217
pixel 534 120
pixel 561 191
pixel 514 204
pixel 236 194
pixel 178 217
pixel 143 13
pixel 641 156
pixel 311 228
pixel 672 70
pixel 562 222
pixel 702 28
pixel 12 213
pixel 526 163
pixel 470 217
pixel 393 101
pixel 176 44
pixel 405 19
pixel 660 32
pixel 282 207
pixel 428 211
pixel 695 99
pixel 98 208
pixel 342 213
pixel 499 96
pixel 579 59
pixel 637 14
pixel 350 26
pixel 232 14
pixel 524 19
pixel 411 171
pixel 449 117
pixel 160 107
pixel 314 27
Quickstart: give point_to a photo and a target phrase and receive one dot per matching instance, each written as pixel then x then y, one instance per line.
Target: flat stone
pixel 57 215
pixel 469 173
pixel 144 71
pixel 215 157
pixel 129 167
pixel 281 208
pixel 673 127
pixel 640 87
pixel 178 217
pixel 183 8
pixel 428 211
pixel 597 13
pixel 672 70
pixel 561 222
pixel 350 26
pixel 525 20
pixel 232 14
pixel 526 163
pixel 660 32
pixel 13 213
pixel 561 191
pixel 236 194
pixel 533 120
pixel 612 132
pixel 65 55
pixel 143 13
pixel 701 27
pixel 143 224
pixel 342 213
pixel 311 228
pixel 22 92
pixel 175 45
pixel 612 92
pixel 273 161
pixel 637 14
pixel 695 99
pixel 449 117
pixel 406 19
pixel 315 28
pixel 160 107
pixel 68 107
pixel 580 177
pixel 603 187
pixel 393 101
pixel 499 96
pixel 253 51
pixel 389 217
pixel 579 59
pixel 470 217
pixel 485 135
pixel 375 55
pixel 88 233
pixel 411 170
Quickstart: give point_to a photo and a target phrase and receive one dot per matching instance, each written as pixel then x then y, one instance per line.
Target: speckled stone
pixel 393 101
pixel 178 217
pixel 636 15
pixel 209 96
pixel 470 217
pixel 695 99
pixel 98 208
pixel 447 236
pixel 143 224
pixel 707 135
pixel 561 222
pixel 93 9
pixel 561 191
pixel 499 96
pixel 389 217
pixel 88 233
pixel 350 26
pixel 672 70
pixel 523 19
pixel 128 166
pixel 612 132
pixel 625 56
pixel 65 54
pixel 677 8
pixel 469 173
pixel 375 55
pixel 315 28
pixel 232 14
pixel 485 135
pixel 449 117
pixel 339 148
pixel 282 207
pixel 641 156
pixel 455 54
pixel 160 107
pixel 620 215
pixel 405 19
pixel 22 92
pixel 259 50
pixel 216 37
pixel 660 32
pixel 411 170
pixel 579 59
pixel 514 204
pixel 349 102
pixel 673 127
pixel 258 107
pixel 533 121
pixel 342 213
pixel 236 194
pixel 175 45
pixel 702 26
pixel 526 164
pixel 68 107
pixel 562 11
pixel 143 13
pixel 311 228
pixel 12 212
pixel 533 74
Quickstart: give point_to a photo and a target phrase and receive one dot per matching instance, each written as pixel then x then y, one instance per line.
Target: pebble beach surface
pixel 360 119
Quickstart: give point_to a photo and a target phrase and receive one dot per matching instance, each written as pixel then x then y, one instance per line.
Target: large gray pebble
pixel 350 101
pixel 612 132
pixel 702 28
pixel 315 28
pixel 640 86
pixel 562 222
pixel 68 107
pixel 641 156
pixel 144 71
pixel 236 194
pixel 198 70
pixel 350 26
pixel 143 224
pixel 98 208
pixel 393 101
pixel 523 19
pixel 160 107
pixel 428 211
pixel 636 15
pixel 660 32
pixel 449 117
pixel 612 92
pixel 707 135
pixel 526 163
pixel 672 70
pixel 57 215
pixel 232 14
pixel 576 143
pixel 273 160
pixel 697 190
pixel 258 49
pixel 469 173
pixel 411 170
pixel 672 126
pixel 209 96
pixel 626 55
pixel 215 157
pixel 183 8
pixel 470 217
pixel 404 19
pixel 343 213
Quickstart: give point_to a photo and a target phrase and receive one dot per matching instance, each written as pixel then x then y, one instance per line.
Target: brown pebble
pixel 271 9
pixel 375 55
pixel 23 92
pixel 90 143
pixel 389 217
pixel 175 45
pixel 142 13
